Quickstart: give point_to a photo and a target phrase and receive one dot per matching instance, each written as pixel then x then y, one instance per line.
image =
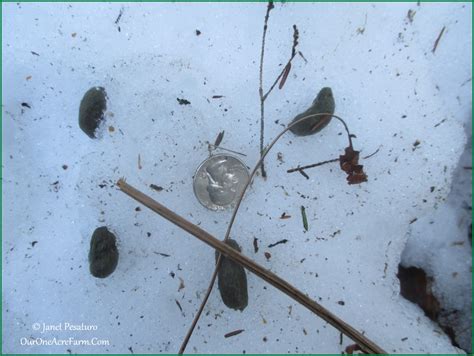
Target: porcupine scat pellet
pixel 232 281
pixel 91 110
pixel 103 254
pixel 324 103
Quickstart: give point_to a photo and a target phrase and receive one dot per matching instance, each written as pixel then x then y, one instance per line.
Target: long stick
pixel 366 344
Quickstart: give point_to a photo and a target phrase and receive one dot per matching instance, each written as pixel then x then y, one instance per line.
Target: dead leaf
pixel 350 164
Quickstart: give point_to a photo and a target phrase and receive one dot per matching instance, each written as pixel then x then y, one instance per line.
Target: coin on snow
pixel 219 181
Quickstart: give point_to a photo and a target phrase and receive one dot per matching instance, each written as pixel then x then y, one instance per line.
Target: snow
pixel 388 85
pixel 438 244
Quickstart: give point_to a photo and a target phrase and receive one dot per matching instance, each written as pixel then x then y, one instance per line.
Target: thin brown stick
pixel 300 169
pixel 234 214
pixel 268 276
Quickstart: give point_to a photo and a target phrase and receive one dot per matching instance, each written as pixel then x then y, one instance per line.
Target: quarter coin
pixel 219 181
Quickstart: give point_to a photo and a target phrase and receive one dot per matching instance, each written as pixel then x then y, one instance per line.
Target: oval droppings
pixel 232 281
pixel 91 110
pixel 324 103
pixel 103 254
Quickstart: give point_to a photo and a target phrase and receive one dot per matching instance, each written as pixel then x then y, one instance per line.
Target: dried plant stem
pixel 284 72
pixel 300 169
pixel 260 89
pixel 366 344
pixel 234 214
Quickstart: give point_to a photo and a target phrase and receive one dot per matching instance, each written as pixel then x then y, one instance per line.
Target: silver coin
pixel 219 181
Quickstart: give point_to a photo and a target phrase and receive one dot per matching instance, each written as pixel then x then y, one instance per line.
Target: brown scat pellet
pixel 232 281
pixel 324 103
pixel 91 110
pixel 103 255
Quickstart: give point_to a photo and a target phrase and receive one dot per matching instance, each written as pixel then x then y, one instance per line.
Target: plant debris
pixel 416 144
pixel 353 348
pixel 118 19
pixel 297 169
pixel 349 163
pixel 303 215
pixel 372 154
pixel 181 284
pixel 286 72
pixel 183 101
pixel 219 138
pixel 410 15
pixel 437 40
pixel 179 305
pixel 301 55
pixel 160 253
pixel 233 333
pixel 255 244
pixel 139 162
pixel 284 241
pixel 284 216
pixel 303 173
pixel 156 187
pixel 218 96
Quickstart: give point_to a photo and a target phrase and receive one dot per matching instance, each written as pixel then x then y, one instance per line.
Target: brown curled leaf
pixel 285 75
pixel 349 163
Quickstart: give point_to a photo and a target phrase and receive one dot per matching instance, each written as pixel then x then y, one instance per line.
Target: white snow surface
pixel 388 85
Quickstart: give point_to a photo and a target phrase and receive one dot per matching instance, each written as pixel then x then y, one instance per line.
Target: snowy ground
pixel 58 185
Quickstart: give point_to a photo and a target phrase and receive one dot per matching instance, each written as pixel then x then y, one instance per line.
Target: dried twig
pixel 299 169
pixel 234 214
pixel 268 276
